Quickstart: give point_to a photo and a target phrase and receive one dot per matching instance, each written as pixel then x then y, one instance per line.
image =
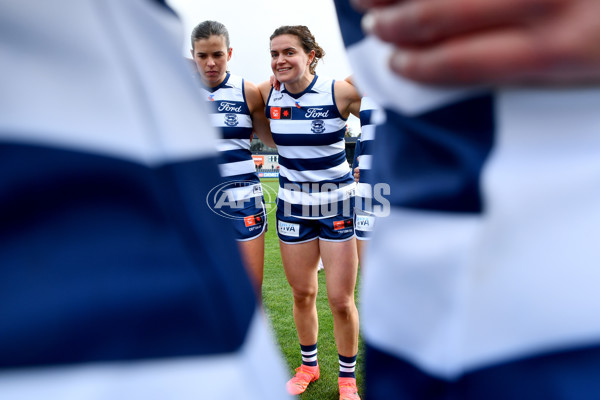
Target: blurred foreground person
pixel 111 284
pixel 482 281
pixel 369 200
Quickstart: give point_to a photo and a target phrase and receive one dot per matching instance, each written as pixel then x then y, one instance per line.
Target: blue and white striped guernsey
pixel 482 283
pixel 315 180
pixel 231 115
pixel 112 286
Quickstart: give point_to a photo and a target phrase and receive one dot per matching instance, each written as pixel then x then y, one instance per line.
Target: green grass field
pixel 277 300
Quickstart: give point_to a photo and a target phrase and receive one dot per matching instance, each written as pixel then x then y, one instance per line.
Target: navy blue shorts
pixel 290 229
pixel 242 203
pixel 249 222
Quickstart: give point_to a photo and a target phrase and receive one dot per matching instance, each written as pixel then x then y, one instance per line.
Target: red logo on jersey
pixel 286 112
pixel 281 112
pixel 275 112
pixel 337 225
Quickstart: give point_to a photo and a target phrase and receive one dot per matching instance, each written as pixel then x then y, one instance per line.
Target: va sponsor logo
pixel 228 198
pixel 365 222
pixel 288 229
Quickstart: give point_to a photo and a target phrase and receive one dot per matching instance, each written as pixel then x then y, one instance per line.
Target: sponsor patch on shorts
pixel 344 224
pixel 365 222
pixel 288 229
pixel 252 220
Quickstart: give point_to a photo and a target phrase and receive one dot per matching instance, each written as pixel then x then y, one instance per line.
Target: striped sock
pixel 347 366
pixel 309 355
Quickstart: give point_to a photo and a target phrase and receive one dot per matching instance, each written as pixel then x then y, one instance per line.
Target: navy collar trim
pixel 220 85
pixel 307 90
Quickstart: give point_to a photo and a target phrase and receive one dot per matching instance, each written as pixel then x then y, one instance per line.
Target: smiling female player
pixel 316 195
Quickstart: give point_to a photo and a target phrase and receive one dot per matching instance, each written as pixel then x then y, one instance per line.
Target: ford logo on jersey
pixel 318 126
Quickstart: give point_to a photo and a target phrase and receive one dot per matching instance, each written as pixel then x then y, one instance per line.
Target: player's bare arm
pixel 265 89
pixel 260 124
pixel 347 99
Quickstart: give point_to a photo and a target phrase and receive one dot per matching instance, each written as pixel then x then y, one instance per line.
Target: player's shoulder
pixel 251 88
pixel 254 95
pixel 264 88
pixel 343 86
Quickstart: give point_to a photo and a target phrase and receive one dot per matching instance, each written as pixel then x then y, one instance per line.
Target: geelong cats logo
pixel 231 119
pixel 318 126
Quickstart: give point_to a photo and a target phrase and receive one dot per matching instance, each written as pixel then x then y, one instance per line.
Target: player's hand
pixel 274 82
pixel 490 41
pixel 356 174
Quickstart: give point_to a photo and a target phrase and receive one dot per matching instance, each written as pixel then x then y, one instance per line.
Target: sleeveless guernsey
pixel 315 180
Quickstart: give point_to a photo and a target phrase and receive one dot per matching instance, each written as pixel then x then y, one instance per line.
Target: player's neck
pixel 300 85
